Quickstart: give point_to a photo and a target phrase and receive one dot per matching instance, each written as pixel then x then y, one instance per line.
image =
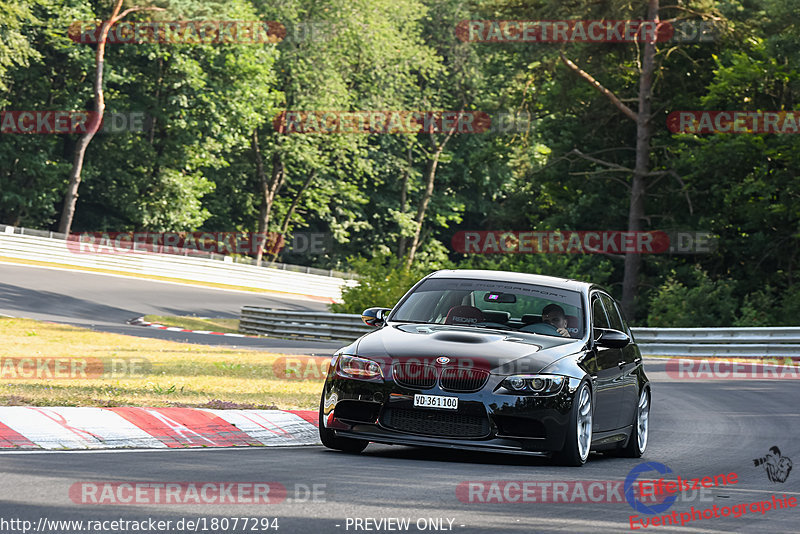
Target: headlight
pixel 361 368
pixel 534 384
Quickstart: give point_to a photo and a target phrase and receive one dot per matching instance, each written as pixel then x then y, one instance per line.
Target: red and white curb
pixel 31 427
pixel 139 321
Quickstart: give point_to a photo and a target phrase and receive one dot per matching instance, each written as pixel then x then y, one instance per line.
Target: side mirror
pixel 375 317
pixel 611 339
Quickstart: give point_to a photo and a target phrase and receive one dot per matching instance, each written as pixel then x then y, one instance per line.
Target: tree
pixel 433 157
pixel 15 48
pixel 338 56
pixel 191 167
pixel 71 198
pixel 642 117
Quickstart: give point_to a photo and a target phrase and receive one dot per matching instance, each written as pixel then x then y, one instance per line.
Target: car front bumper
pixel 384 412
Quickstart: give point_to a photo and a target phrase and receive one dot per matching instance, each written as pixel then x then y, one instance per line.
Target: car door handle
pixel 621 364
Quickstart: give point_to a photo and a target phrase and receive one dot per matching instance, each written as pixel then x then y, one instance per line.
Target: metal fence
pixel 22 243
pixel 185 252
pixel 302 325
pixel 731 342
pixel 779 341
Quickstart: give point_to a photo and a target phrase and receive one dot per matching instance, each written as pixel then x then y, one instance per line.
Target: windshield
pixel 492 304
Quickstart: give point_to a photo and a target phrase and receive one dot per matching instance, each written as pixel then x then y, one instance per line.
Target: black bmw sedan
pixel 492 361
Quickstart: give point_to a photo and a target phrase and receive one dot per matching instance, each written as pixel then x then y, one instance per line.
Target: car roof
pixel 521 278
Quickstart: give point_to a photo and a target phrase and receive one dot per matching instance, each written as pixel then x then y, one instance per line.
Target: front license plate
pixel 435 401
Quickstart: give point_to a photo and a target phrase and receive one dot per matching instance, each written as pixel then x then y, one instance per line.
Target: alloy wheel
pixel 584 422
pixel 643 419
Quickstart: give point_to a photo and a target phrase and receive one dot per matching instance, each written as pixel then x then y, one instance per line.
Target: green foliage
pixel 584 267
pixel 383 281
pixel 16 50
pixel 758 309
pixel 769 307
pixel 704 302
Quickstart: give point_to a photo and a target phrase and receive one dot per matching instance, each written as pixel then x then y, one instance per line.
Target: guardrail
pixel 779 341
pixel 198 267
pixel 304 325
pixel 699 342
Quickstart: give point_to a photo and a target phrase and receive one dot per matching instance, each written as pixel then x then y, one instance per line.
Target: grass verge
pixel 196 323
pixel 121 370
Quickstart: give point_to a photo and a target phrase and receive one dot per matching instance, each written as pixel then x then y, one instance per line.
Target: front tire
pixel 637 442
pixel 579 434
pixel 330 440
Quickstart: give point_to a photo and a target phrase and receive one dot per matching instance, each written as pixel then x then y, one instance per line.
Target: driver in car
pixel 554 322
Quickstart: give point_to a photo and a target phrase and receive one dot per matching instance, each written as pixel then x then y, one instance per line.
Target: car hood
pixel 501 352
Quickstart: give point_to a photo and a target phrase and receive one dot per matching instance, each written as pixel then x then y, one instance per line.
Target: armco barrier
pixel 306 325
pixel 213 268
pixel 723 342
pixel 778 341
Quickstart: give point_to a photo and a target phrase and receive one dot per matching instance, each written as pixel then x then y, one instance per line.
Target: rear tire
pixel 637 442
pixel 579 433
pixel 332 441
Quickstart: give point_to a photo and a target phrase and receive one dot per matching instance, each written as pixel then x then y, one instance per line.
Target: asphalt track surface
pixel 105 302
pixel 698 428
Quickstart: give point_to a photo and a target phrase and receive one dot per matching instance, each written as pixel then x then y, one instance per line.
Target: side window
pixel 624 320
pixel 614 318
pixel 599 319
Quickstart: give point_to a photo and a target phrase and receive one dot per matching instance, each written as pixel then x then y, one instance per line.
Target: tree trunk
pixel 71 198
pixel 401 247
pixel 268 190
pixel 636 211
pixel 157 99
pixel 295 202
pixel 430 176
